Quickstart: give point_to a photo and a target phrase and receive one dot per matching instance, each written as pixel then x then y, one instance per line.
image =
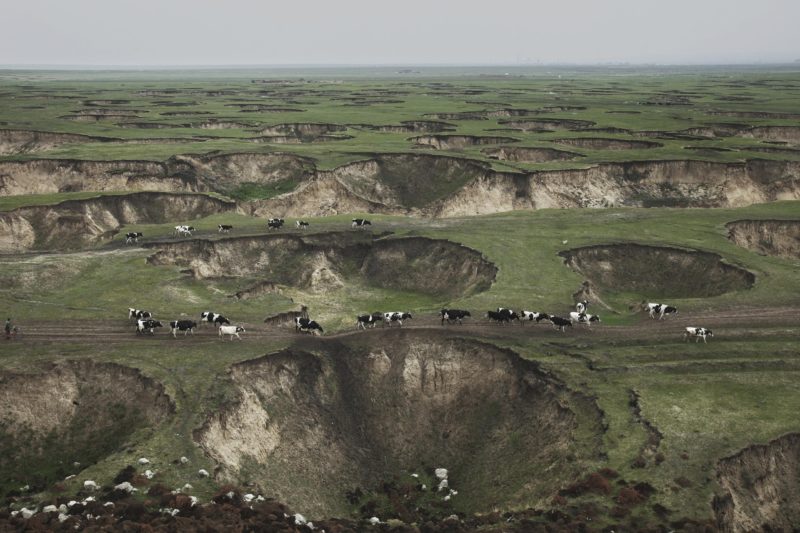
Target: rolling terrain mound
pixel 75 224
pixel 326 261
pixel 657 271
pixel 69 411
pixel 769 237
pixel 320 418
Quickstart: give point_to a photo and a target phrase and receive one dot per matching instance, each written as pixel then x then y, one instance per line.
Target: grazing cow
pixel 133 237
pixel 560 323
pixel 147 325
pixel 365 321
pixel 307 325
pixel 224 228
pixel 184 231
pixel 698 333
pixel 396 316
pixel 361 223
pixel 138 314
pixel 213 318
pixel 275 223
pixel 186 326
pixel 533 315
pixel 583 318
pixel 301 224
pixel 661 310
pixel 581 307
pixel 454 314
pixel 231 330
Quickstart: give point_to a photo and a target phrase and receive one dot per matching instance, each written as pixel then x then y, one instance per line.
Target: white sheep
pixel 49 509
pixel 203 472
pixel 149 474
pixel 63 517
pixel 126 486
pixel 184 460
pixel 441 473
pixel 89 485
pixel 144 461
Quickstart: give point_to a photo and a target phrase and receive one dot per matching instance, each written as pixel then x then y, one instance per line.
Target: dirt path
pixel 740 324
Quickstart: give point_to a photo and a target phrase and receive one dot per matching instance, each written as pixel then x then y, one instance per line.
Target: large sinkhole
pixel 71 412
pixel 328 261
pixel 657 271
pixel 324 417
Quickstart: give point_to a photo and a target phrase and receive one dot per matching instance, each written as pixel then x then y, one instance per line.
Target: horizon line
pixel 181 66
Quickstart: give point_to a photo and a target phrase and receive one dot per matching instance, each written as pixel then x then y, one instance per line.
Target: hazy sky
pixel 244 32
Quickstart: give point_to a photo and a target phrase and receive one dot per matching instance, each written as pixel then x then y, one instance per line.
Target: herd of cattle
pixel 146 324
pixel 132 237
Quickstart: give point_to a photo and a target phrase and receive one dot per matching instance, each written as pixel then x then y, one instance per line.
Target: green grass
pixel 708 401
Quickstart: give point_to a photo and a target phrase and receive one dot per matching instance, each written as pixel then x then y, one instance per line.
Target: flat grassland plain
pixel 519 188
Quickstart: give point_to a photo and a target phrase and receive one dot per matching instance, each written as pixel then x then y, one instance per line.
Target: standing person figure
pixel 9 328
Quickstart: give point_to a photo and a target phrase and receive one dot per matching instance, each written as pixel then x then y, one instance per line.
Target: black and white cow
pixel 502 317
pixel 582 306
pixel 231 330
pixel 560 323
pixel 533 315
pixel 186 326
pixel 138 314
pixel 224 228
pixel 396 316
pixel 698 333
pixel 301 224
pixel 307 325
pixel 147 325
pixel 183 231
pixel 512 315
pixel 361 223
pixel 275 223
pixel 368 321
pixel 213 318
pixel 661 309
pixel 456 315
pixel 583 318
pixel 133 237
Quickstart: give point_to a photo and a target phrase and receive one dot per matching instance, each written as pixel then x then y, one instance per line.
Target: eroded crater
pixel 546 124
pixel 768 237
pixel 657 271
pixel 528 155
pixel 326 416
pixel 71 411
pixel 76 224
pixel 599 143
pixel 458 142
pixel 302 131
pixel 760 487
pixel 328 261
